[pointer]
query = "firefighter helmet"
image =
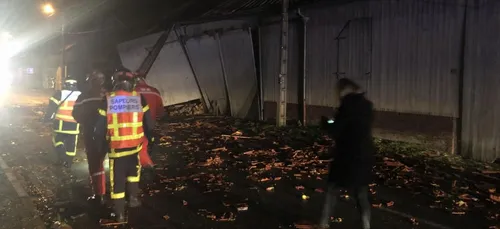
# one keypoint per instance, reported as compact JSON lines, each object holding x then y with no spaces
{"x":70,"y":84}
{"x":124,"y":80}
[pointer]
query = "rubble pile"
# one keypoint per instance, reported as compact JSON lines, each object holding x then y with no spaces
{"x":190,"y":108}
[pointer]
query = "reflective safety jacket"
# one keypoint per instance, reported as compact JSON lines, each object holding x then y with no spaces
{"x":60,"y":111}
{"x":124,"y":120}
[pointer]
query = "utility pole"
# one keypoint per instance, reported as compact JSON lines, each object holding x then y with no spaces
{"x":60,"y":77}
{"x":63,"y":52}
{"x":281,"y":111}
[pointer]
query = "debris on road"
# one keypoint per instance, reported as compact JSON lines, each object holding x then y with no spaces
{"x":211,"y":169}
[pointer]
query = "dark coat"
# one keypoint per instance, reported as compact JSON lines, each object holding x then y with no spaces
{"x":354,"y":148}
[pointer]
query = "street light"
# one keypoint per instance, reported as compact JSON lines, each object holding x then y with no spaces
{"x":49,"y":10}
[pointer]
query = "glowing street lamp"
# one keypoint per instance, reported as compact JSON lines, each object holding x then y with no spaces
{"x":48,"y":9}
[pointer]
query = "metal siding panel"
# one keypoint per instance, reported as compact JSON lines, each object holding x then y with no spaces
{"x":172,"y":76}
{"x":132,"y":53}
{"x":270,"y":62}
{"x":294,"y":63}
{"x":414,"y":48}
{"x":481,"y":124}
{"x":417,"y":47}
{"x":204,"y":54}
{"x":237,"y":49}
{"x":324,"y":27}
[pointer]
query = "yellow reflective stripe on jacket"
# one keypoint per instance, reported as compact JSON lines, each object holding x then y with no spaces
{"x":64,"y":117}
{"x":145,"y":108}
{"x":60,"y":130}
{"x":66,"y":108}
{"x":102,"y":112}
{"x":126,"y":138}
{"x":54,"y":100}
{"x":114,"y":154}
{"x":125,"y":125}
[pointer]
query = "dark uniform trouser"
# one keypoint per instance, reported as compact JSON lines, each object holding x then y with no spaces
{"x":125,"y":173}
{"x":95,"y":160}
{"x":65,"y":145}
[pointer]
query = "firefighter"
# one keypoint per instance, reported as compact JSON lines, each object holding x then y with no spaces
{"x":66,"y":128}
{"x":155,"y":102}
{"x":85,"y":113}
{"x":124,"y":120}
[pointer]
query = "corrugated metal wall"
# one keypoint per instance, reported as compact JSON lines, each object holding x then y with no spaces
{"x":481,"y":114}
{"x":270,"y":46}
{"x":237,"y":53}
{"x":132,"y":53}
{"x":194,"y":30}
{"x":204,"y":54}
{"x":404,"y":52}
{"x":172,"y":75}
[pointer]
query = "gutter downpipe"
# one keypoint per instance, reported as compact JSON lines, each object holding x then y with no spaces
{"x":304,"y":66}
{"x":458,"y":122}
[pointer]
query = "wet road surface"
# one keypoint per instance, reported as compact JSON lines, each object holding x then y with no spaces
{"x":224,"y":173}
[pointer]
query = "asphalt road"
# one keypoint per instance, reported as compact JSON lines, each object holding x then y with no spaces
{"x":212,"y":173}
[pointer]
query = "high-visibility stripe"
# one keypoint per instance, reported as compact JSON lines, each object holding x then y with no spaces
{"x":102,"y":112}
{"x":138,"y":166}
{"x":114,"y":195}
{"x":54,"y":100}
{"x":60,"y":130}
{"x":125,"y":125}
{"x":127,"y":138}
{"x":56,"y":144}
{"x":66,"y":118}
{"x":114,"y":154}
{"x":125,"y":130}
{"x":73,"y":153}
{"x":64,"y":112}
{"x":145,"y":108}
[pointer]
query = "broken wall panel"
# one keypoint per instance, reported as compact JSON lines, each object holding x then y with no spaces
{"x":132,"y":53}
{"x":204,"y":54}
{"x":172,"y":75}
{"x":237,"y":53}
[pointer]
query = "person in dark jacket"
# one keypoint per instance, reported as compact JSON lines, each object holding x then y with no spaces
{"x":353,"y":152}
{"x":86,"y":113}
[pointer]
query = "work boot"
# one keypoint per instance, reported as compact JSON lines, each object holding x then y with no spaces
{"x":134,"y":202}
{"x":119,"y":216}
{"x":97,"y":200}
